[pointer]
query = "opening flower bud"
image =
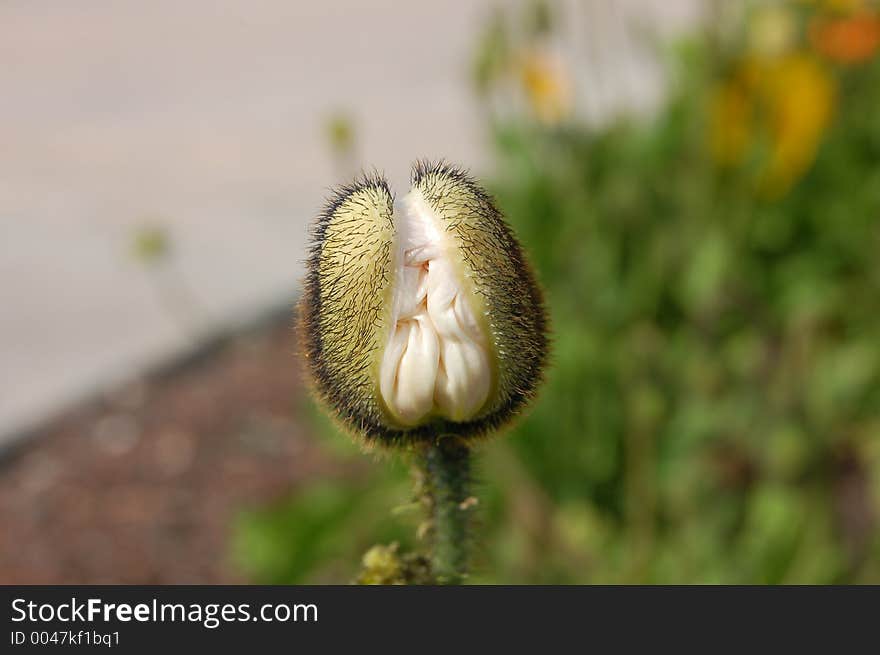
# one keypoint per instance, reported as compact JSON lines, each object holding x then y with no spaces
{"x":420,"y":316}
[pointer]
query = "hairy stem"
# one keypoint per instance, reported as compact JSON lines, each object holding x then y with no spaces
{"x":446,"y":476}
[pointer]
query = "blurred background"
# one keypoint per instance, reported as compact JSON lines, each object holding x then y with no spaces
{"x":698,"y":185}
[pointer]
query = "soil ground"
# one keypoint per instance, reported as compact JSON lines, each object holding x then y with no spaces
{"x":143,"y":485}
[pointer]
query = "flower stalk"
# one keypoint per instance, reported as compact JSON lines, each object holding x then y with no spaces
{"x":445,"y":467}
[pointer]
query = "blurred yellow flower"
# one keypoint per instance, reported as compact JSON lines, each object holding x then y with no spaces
{"x":547,"y":85}
{"x":786,"y":102}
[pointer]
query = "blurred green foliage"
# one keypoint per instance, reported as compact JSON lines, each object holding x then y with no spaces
{"x":712,"y":414}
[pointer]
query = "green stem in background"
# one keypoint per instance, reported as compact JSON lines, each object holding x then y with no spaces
{"x":445,"y":466}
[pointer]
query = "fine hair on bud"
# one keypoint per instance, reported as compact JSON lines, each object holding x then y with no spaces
{"x":420,"y":315}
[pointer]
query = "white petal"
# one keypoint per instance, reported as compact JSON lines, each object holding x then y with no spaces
{"x":467,"y":321}
{"x":411,"y":292}
{"x":409,"y":374}
{"x":463,"y":379}
{"x":442,"y":288}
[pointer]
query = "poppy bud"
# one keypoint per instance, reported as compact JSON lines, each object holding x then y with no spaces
{"x":420,"y":317}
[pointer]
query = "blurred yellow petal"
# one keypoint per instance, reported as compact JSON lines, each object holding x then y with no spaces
{"x":800,"y":97}
{"x":547,"y":85}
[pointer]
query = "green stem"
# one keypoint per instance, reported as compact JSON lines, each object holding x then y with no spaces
{"x":446,"y":469}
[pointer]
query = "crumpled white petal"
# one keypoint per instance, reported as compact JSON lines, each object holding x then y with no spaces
{"x":409,"y":369}
{"x":436,"y":360}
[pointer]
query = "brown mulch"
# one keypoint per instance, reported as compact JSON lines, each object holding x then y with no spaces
{"x":143,"y":485}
